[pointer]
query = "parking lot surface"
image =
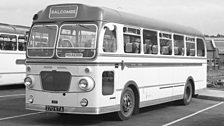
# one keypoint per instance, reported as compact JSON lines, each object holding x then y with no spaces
{"x":199,"y":113}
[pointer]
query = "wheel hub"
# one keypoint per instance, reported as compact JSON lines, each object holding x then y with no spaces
{"x":127,"y":103}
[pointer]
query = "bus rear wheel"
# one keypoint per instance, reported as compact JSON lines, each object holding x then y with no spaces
{"x":127,"y":104}
{"x":188,"y":93}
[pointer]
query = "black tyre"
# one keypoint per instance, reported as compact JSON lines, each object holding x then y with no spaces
{"x":127,"y":104}
{"x":188,"y":93}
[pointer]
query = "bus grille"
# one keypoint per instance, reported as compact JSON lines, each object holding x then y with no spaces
{"x":55,"y":81}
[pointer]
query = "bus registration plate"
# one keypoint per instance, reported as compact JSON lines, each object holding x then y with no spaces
{"x":54,"y":108}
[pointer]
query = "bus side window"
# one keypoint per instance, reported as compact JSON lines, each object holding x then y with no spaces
{"x":22,"y":44}
{"x":132,"y":44}
{"x":150,"y":42}
{"x":190,"y":46}
{"x":109,"y":41}
{"x":1,"y":45}
{"x":165,"y":47}
{"x":132,"y":40}
{"x":200,"y":48}
{"x":8,"y":42}
{"x":178,"y":45}
{"x":165,"y":43}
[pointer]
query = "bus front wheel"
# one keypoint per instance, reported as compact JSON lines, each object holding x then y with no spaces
{"x":188,"y":93}
{"x":127,"y":104}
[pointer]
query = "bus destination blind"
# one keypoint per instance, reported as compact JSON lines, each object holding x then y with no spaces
{"x":63,"y":11}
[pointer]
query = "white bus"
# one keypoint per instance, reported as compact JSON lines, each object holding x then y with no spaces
{"x":93,"y":60}
{"x":12,"y":47}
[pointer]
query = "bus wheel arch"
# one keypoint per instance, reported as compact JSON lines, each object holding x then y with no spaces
{"x":130,"y":86}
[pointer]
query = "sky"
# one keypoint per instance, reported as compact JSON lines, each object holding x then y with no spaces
{"x":205,"y":15}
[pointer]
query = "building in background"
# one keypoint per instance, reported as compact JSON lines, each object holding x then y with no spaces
{"x":212,"y":54}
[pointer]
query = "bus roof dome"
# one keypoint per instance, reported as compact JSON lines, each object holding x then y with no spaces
{"x":81,"y":12}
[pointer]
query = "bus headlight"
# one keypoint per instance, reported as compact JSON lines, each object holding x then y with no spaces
{"x":28,"y":82}
{"x":86,"y":83}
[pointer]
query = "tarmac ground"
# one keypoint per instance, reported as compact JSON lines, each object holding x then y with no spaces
{"x":205,"y":110}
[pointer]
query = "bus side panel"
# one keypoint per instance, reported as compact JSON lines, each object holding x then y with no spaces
{"x":201,"y":83}
{"x":196,"y":72}
{"x":11,"y":73}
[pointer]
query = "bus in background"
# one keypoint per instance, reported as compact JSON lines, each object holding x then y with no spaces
{"x":12,"y":47}
{"x":93,"y":60}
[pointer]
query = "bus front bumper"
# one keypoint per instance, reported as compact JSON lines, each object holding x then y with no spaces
{"x":76,"y":110}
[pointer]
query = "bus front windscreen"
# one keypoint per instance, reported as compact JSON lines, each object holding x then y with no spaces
{"x":42,"y":41}
{"x":76,"y":41}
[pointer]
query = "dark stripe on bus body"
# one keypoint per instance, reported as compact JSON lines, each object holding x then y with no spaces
{"x":12,"y":52}
{"x":161,"y":64}
{"x":137,"y":55}
{"x":130,"y":64}
{"x":166,"y":87}
{"x":12,"y":73}
{"x":178,"y":85}
{"x":171,"y":86}
{"x":163,"y":86}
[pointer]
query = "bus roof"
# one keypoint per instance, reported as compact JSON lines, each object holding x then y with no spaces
{"x":81,"y":12}
{"x":13,"y":29}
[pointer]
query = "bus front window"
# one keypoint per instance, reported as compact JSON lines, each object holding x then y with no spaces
{"x":77,"y":41}
{"x":42,"y":41}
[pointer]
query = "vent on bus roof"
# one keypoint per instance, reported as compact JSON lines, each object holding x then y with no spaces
{"x":55,"y":81}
